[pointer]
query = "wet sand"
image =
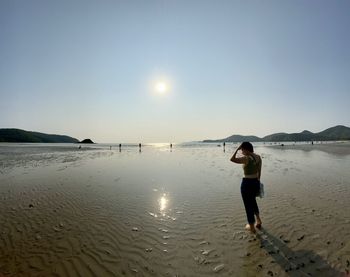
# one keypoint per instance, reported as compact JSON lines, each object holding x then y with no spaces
{"x":338,"y":148}
{"x":97,"y":212}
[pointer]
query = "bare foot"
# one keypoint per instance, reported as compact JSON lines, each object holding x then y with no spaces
{"x":258,"y":222}
{"x":251,"y":228}
{"x":258,"y":225}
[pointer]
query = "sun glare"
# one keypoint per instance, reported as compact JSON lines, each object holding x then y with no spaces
{"x":161,"y":87}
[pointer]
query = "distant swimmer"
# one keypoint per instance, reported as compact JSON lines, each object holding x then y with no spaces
{"x":139,"y":147}
{"x":250,"y":186}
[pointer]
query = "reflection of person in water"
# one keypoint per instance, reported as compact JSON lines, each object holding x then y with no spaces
{"x":250,"y":186}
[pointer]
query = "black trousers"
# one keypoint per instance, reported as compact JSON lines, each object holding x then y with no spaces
{"x":249,"y":190}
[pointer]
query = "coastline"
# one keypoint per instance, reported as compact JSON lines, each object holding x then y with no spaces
{"x":336,"y":147}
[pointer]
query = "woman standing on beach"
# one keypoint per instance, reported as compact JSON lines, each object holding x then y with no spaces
{"x":250,"y":186}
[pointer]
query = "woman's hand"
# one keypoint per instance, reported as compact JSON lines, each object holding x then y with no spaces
{"x":234,"y":159}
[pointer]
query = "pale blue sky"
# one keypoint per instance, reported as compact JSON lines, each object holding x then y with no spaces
{"x":85,"y":68}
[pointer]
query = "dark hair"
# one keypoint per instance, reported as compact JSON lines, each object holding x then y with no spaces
{"x":247,"y":146}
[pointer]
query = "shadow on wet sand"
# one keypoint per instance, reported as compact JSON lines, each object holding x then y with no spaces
{"x":295,"y":263}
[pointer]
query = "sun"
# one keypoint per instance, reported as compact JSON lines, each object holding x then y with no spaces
{"x":161,"y":87}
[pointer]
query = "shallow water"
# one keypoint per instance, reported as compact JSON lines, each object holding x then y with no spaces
{"x":159,"y":212}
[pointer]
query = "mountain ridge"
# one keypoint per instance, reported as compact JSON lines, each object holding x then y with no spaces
{"x":19,"y":135}
{"x":338,"y":132}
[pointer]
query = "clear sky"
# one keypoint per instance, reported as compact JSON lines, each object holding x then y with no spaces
{"x":88,"y":68}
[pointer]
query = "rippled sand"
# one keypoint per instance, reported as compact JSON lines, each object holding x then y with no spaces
{"x":101,"y":212}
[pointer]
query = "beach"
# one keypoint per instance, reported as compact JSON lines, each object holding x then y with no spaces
{"x":341,"y":148}
{"x":98,"y":211}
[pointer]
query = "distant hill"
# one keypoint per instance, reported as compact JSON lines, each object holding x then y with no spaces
{"x":236,"y":138}
{"x":87,"y":141}
{"x":334,"y":133}
{"x":303,"y":136}
{"x":18,"y":135}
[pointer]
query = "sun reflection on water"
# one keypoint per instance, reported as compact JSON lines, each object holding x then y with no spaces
{"x":163,"y":203}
